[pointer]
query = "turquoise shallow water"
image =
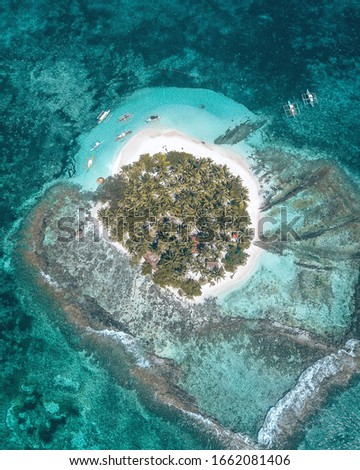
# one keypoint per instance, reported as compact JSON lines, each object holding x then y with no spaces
{"x":60,"y":395}
{"x":236,"y":377}
{"x":335,"y":426}
{"x":60,"y":65}
{"x":179,"y":109}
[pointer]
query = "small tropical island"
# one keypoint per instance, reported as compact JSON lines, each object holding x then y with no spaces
{"x":183,"y":218}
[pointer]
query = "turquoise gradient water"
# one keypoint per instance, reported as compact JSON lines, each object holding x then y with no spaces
{"x":61,"y":63}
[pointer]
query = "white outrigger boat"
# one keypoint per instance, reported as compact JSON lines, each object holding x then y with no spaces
{"x":125,"y":117}
{"x":153,"y":118}
{"x":291,"y":109}
{"x":309,"y":99}
{"x":123,"y":135}
{"x":90,"y":162}
{"x":104,"y":116}
{"x":96,"y":146}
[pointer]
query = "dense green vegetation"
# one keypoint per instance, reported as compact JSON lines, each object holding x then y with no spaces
{"x":184,"y":218}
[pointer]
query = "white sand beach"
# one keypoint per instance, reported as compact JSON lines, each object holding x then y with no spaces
{"x":154,"y":140}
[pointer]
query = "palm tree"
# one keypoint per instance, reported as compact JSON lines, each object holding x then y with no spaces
{"x":157,"y":192}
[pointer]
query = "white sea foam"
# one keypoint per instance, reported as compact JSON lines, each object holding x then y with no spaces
{"x":130,"y":344}
{"x":49,"y":280}
{"x":128,"y":341}
{"x":219,"y":431}
{"x":293,"y":405}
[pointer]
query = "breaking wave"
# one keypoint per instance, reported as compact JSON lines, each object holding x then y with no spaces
{"x":284,"y":418}
{"x":234,"y":440}
{"x":129,"y":342}
{"x":49,"y":280}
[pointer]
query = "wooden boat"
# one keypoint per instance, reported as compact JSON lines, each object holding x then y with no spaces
{"x":96,"y":146}
{"x":309,"y":98}
{"x":291,"y":109}
{"x":90,"y":162}
{"x":123,"y":135}
{"x":153,"y":118}
{"x":125,"y":117}
{"x":104,"y":116}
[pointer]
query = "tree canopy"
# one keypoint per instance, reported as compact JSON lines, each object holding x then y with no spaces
{"x":184,"y":218}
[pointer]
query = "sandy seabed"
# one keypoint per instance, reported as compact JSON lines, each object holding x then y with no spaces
{"x":155,"y":140}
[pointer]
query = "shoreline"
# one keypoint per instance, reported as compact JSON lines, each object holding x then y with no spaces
{"x":155,"y":140}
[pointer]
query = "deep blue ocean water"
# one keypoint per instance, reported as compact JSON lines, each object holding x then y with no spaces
{"x":61,"y":64}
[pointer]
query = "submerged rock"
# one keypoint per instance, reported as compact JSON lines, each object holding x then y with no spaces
{"x":239,"y":132}
{"x":311,"y":233}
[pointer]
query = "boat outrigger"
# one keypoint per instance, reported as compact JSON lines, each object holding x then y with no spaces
{"x":125,"y":117}
{"x":96,"y":146}
{"x":104,"y":116}
{"x":123,"y":135}
{"x":153,"y":118}
{"x":291,"y":109}
{"x":309,"y":99}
